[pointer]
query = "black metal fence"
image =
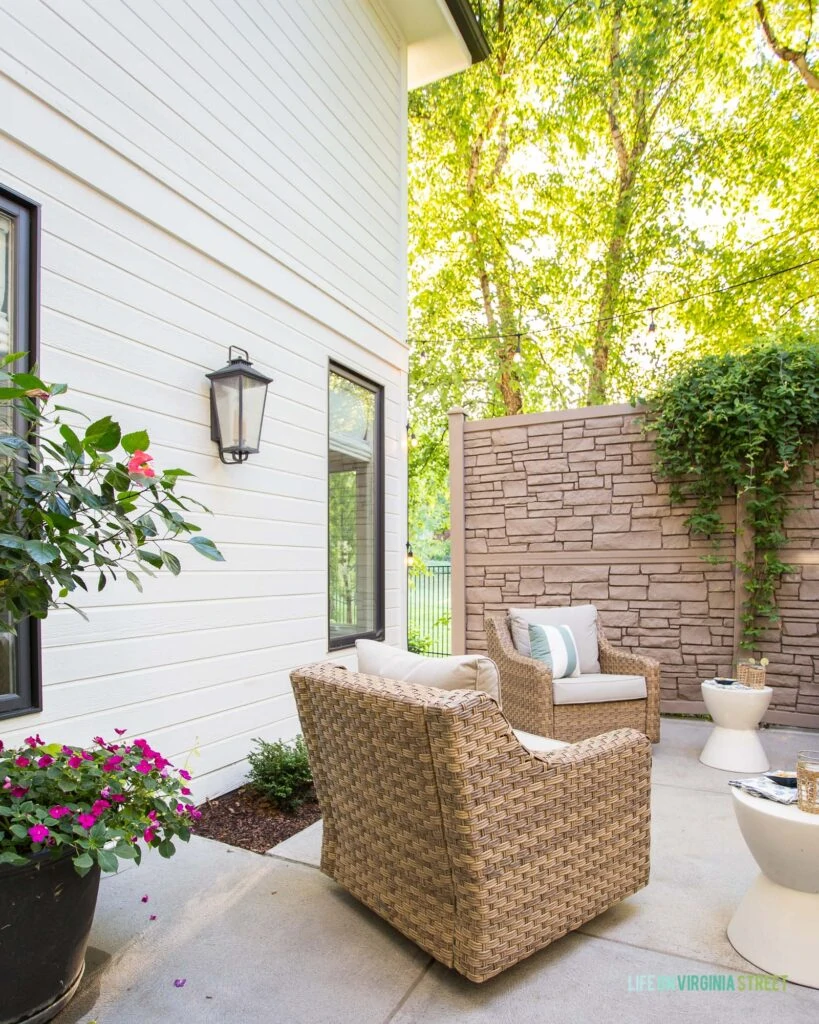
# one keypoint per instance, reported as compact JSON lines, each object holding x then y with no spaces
{"x":429,"y":609}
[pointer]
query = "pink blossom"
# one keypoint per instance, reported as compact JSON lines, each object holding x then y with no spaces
{"x":148,"y":835}
{"x":87,"y":755}
{"x":138,"y":463}
{"x":185,"y":791}
{"x":120,"y":732}
{"x":99,"y":740}
{"x":38,"y":833}
{"x":144,"y":767}
{"x":1,"y":746}
{"x":151,"y":815}
{"x":161,"y":762}
{"x":86,"y":820}
{"x":22,"y":762}
{"x":34,"y":741}
{"x":18,"y":791}
{"x":144,"y":898}
{"x":99,"y":806}
{"x":68,"y":751}
{"x":196,"y":815}
{"x":74,"y":762}
{"x":118,"y":798}
{"x":112,"y":763}
{"x":59,"y":811}
{"x":152,"y":917}
{"x":8,"y":783}
{"x":185,"y":775}
{"x":181,"y":808}
{"x":105,"y":791}
{"x":179,"y":982}
{"x":45,"y":761}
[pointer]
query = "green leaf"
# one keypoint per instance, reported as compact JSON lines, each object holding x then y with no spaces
{"x":151,"y":558}
{"x":138,"y":441}
{"x":166,"y":848}
{"x":172,"y":562}
{"x":41,"y":553}
{"x":102,"y":435}
{"x":134,"y":579}
{"x":206,"y":547}
{"x":10,"y":857}
{"x":107,"y":860}
{"x":126,"y":851}
{"x":83,"y":863}
{"x":71,"y":438}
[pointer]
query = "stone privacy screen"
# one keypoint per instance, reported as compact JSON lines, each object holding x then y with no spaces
{"x":565,"y":508}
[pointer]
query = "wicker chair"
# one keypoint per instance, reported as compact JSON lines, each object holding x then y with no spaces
{"x":527,"y":697}
{"x":439,"y":820}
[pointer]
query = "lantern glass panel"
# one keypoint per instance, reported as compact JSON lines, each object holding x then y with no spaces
{"x":254,"y":393}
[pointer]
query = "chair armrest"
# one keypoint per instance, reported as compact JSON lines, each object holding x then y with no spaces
{"x":619,"y":661}
{"x":525,"y":683}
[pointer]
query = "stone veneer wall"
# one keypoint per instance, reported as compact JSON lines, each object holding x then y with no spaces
{"x":560,"y":508}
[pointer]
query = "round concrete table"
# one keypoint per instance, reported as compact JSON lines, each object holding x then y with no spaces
{"x":734,"y":744}
{"x":776,"y":926}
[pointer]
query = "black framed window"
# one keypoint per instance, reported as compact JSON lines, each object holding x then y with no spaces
{"x":355,"y":508}
{"x":19,"y":326}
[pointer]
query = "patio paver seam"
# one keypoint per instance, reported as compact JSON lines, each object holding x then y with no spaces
{"x":431,"y":962}
{"x":664,"y":952}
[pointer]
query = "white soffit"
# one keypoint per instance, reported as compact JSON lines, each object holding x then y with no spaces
{"x":435,"y":47}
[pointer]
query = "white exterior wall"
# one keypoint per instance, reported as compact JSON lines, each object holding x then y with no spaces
{"x":212,"y":173}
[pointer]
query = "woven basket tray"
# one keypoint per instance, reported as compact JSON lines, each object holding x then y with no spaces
{"x":751,"y":675}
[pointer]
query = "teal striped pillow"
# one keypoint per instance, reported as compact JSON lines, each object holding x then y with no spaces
{"x":555,"y":646}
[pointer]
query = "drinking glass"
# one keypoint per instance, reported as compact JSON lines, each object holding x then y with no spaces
{"x":807,"y":780}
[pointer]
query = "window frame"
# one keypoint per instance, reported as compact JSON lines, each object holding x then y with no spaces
{"x":25,"y":337}
{"x":379,"y":577}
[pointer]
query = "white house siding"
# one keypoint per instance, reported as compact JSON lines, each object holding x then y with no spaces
{"x":212,"y":173}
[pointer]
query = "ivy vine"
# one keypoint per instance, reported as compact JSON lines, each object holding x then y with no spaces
{"x":743,"y":425}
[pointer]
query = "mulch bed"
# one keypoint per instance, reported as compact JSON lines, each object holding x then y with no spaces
{"x":247,"y":819}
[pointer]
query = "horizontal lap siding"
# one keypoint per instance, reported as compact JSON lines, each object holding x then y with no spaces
{"x":159,"y":250}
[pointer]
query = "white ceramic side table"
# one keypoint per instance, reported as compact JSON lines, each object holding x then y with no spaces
{"x":734,"y":744}
{"x":776,"y":926}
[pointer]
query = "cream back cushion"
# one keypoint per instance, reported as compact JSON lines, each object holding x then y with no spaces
{"x":457,"y":672}
{"x":581,"y":620}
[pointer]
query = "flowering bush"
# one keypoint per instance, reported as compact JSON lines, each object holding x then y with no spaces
{"x":78,"y":502}
{"x":98,"y":804}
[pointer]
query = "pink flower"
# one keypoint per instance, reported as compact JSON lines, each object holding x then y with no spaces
{"x":152,"y":917}
{"x":99,"y":806}
{"x":143,"y":767}
{"x":118,"y":798}
{"x":185,"y":791}
{"x":8,"y":783}
{"x":138,"y":463}
{"x":45,"y":761}
{"x":144,"y":899}
{"x":196,"y":815}
{"x":179,"y":982}
{"x":86,"y":820}
{"x":120,"y":732}
{"x":161,"y":762}
{"x":38,"y":833}
{"x":185,"y":775}
{"x":181,"y":808}
{"x":99,"y":740}
{"x":34,"y":741}
{"x":59,"y":811}
{"x":22,"y":762}
{"x":105,"y":791}
{"x":148,"y":835}
{"x":87,"y":756}
{"x":1,"y":746}
{"x":74,"y":762}
{"x":68,"y":751}
{"x":151,"y":815}
{"x":18,"y":791}
{"x":112,"y":763}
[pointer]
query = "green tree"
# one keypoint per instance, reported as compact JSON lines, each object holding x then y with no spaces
{"x":612,"y":167}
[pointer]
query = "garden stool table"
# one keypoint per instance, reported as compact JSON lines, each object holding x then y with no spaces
{"x":776,"y":926}
{"x":734,"y":744}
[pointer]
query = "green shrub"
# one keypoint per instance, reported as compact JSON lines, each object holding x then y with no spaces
{"x":417,"y":642}
{"x":281,"y":772}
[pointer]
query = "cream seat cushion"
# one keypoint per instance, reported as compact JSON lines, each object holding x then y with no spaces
{"x":541,"y":744}
{"x":580,"y":618}
{"x":456,"y":672}
{"x":595,"y":687}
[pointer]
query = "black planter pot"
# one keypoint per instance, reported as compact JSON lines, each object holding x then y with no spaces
{"x":46,"y":911}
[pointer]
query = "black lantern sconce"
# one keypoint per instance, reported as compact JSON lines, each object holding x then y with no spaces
{"x":237,"y":398}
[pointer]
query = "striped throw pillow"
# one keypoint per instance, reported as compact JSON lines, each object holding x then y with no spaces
{"x":555,"y":646}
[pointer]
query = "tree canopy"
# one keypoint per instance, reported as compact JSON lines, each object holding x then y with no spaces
{"x":618,"y":182}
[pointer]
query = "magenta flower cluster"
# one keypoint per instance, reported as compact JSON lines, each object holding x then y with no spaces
{"x":94,"y":804}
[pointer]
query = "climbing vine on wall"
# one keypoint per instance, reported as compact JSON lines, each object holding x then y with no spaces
{"x":744,"y":424}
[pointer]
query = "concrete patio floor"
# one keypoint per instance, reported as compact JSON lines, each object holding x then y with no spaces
{"x":270,"y":940}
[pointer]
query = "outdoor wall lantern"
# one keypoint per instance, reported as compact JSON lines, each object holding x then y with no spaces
{"x":237,"y":397}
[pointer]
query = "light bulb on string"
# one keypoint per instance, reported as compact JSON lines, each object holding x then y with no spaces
{"x":410,"y":556}
{"x":652,"y":327}
{"x":516,"y":358}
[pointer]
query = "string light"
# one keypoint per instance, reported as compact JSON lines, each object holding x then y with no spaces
{"x":517,"y":356}
{"x":652,"y":327}
{"x":410,"y":556}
